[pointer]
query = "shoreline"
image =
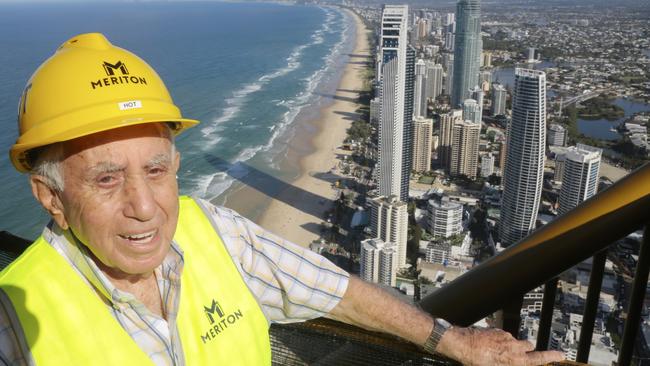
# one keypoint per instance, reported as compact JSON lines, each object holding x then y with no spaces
{"x":295,"y":209}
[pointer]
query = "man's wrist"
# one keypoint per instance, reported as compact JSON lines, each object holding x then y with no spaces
{"x":440,"y":326}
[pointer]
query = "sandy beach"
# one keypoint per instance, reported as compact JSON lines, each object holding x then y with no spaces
{"x":296,"y":208}
{"x":300,"y":223}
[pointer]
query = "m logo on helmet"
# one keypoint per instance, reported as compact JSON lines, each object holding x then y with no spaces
{"x":110,"y":68}
{"x":117,"y":74}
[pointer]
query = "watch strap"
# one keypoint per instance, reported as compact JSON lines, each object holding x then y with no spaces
{"x":440,"y":326}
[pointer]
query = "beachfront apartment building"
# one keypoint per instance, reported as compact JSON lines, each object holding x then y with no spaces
{"x":397,"y":64}
{"x":389,"y":222}
{"x":378,"y":262}
{"x":444,"y":218}
{"x":580,"y":175}
{"x":524,"y":166}
{"x":422,"y":139}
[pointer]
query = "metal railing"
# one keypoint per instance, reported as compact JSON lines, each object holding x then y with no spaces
{"x":501,"y":282}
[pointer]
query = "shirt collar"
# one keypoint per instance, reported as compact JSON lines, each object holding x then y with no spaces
{"x":77,"y":254}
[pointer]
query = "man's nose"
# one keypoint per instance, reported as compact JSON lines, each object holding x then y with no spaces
{"x":140,"y":199}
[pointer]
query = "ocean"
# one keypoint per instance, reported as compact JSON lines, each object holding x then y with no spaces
{"x":248,"y":71}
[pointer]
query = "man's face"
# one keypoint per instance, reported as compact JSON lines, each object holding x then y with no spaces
{"x":121,"y":197}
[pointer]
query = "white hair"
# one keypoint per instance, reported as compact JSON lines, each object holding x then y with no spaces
{"x":47,"y":161}
{"x":48,"y":165}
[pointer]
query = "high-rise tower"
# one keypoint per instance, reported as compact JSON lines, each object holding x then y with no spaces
{"x":422,"y":134}
{"x":467,"y":50}
{"x":580,"y":176}
{"x":389,"y":222}
{"x":524,"y":170}
{"x":472,"y":111}
{"x":498,"y":100}
{"x":396,"y":92}
{"x":446,"y":133}
{"x":419,"y":91}
{"x":433,"y":86}
{"x":464,"y":149}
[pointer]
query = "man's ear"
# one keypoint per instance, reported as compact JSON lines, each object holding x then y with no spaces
{"x":49,"y":199}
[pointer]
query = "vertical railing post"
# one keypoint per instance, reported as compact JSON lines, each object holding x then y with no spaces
{"x":512,"y":316}
{"x":636,"y":301}
{"x":545,"y":320}
{"x":591,"y":306}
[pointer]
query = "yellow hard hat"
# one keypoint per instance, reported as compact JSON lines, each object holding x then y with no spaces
{"x":89,"y":86}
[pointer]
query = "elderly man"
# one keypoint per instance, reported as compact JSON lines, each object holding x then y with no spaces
{"x":129,"y":273}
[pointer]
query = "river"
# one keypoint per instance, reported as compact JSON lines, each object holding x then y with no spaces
{"x":506,"y":75}
{"x":601,"y":128}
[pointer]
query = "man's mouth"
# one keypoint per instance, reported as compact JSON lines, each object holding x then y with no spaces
{"x":142,"y":238}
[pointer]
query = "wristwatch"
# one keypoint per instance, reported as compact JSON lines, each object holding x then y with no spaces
{"x":440,"y":326}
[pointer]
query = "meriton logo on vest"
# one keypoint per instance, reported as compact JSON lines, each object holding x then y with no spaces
{"x":219,"y":320}
{"x":114,"y":78}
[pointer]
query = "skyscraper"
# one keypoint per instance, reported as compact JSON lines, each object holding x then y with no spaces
{"x":498,"y":100}
{"x":448,"y":64}
{"x":419,"y":90}
{"x":524,"y":170}
{"x":433,"y":86}
{"x":450,"y":36}
{"x":467,"y":50}
{"x":378,"y":262}
{"x":580,"y":176}
{"x":396,"y":93}
{"x":389,"y":222}
{"x":422,"y":144}
{"x":447,"y":122}
{"x":464,"y":149}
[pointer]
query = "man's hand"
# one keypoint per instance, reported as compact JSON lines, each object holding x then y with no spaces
{"x":472,"y":346}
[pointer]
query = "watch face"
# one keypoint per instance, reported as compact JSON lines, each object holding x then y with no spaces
{"x":443,"y":323}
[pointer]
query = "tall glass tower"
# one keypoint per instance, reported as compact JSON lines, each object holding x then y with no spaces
{"x":467,"y":50}
{"x":397,"y":65}
{"x":524,"y":166}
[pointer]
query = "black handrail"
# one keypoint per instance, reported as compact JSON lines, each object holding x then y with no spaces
{"x":549,"y":251}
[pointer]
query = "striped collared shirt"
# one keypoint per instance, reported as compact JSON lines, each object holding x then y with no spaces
{"x":289,"y":282}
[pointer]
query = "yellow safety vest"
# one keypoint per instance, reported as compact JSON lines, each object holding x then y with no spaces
{"x":66,"y":323}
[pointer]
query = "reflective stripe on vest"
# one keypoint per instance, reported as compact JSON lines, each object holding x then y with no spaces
{"x":66,"y":323}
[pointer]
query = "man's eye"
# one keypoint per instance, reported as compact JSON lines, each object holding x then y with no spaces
{"x":106,"y":179}
{"x":157,"y":171}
